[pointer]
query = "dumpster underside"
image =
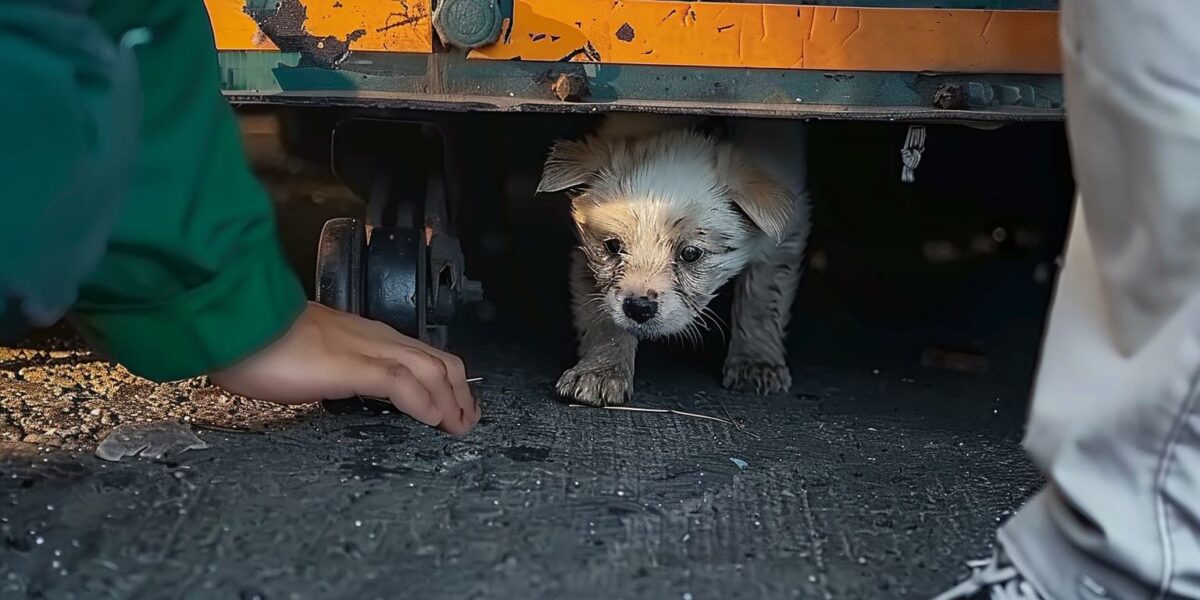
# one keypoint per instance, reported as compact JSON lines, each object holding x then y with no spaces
{"x":891,"y":461}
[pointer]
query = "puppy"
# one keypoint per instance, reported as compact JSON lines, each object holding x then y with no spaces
{"x":666,"y":213}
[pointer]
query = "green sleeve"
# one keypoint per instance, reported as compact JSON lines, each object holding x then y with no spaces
{"x":193,"y":278}
{"x":71,"y":111}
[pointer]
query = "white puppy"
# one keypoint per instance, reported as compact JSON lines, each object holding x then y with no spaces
{"x":666,"y":214}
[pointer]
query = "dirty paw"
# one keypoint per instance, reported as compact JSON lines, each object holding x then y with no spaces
{"x":595,"y":385}
{"x":756,"y":377}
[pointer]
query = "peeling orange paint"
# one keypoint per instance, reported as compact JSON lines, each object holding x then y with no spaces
{"x":386,"y":25}
{"x":780,"y":36}
{"x":234,"y":29}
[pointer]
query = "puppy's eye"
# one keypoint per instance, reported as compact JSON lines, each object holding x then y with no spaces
{"x":613,"y":245}
{"x":691,"y":254}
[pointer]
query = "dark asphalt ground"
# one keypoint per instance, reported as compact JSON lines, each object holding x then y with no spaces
{"x":860,"y":485}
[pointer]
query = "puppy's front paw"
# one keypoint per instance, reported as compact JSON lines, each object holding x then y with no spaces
{"x":595,"y":385}
{"x":756,"y":377}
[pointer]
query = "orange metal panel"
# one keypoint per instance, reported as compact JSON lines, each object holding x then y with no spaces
{"x":368,"y":25}
{"x":778,"y":36}
{"x":233,"y":28}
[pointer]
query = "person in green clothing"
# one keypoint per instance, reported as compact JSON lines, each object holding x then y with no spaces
{"x":126,"y":205}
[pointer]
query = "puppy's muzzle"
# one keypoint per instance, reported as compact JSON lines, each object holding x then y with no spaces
{"x":640,"y":309}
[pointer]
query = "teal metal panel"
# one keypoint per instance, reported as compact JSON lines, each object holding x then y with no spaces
{"x":449,"y":81}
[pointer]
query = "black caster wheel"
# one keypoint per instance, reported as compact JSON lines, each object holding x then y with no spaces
{"x":410,"y":279}
{"x":404,"y":277}
{"x":340,"y":254}
{"x":399,"y":265}
{"x":378,"y":273}
{"x":397,"y":280}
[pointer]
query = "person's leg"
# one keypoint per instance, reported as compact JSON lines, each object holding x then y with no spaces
{"x":1115,"y":421}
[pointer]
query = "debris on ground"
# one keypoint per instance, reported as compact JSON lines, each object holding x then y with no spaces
{"x":148,"y":440}
{"x":54,"y":393}
{"x":741,"y":464}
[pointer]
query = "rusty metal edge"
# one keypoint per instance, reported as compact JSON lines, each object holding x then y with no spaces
{"x":457,"y":103}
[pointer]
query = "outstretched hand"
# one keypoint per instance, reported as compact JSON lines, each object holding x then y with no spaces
{"x":328,"y":355}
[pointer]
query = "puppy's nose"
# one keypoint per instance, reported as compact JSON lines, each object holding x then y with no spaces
{"x":640,"y":309}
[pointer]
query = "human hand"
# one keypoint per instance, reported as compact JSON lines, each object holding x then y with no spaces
{"x":328,"y":355}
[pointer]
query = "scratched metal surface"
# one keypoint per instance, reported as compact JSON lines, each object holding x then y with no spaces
{"x":326,"y":70}
{"x":450,"y":82}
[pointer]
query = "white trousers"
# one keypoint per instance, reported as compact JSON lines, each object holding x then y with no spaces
{"x":1115,"y":421}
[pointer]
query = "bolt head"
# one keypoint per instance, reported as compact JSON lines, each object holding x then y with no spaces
{"x":468,"y":24}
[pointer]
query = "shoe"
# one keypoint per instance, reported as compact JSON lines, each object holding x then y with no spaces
{"x":992,"y":579}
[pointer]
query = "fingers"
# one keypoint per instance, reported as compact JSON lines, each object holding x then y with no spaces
{"x":443,"y":375}
{"x":448,"y":366}
{"x":330,"y":354}
{"x":397,"y":383}
{"x":457,"y":372}
{"x":434,"y":374}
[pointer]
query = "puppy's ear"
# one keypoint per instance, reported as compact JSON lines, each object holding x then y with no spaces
{"x":569,"y":165}
{"x":768,"y":204}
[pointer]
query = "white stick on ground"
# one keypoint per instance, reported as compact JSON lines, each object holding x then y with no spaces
{"x":661,"y":410}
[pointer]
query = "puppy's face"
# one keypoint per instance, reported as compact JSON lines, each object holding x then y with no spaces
{"x":662,"y":222}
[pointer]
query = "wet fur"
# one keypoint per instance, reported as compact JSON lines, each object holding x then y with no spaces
{"x":659,"y":184}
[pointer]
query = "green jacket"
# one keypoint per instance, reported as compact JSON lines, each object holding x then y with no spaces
{"x":125,"y":199}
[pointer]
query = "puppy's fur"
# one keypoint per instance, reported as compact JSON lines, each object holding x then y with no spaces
{"x":667,"y":213}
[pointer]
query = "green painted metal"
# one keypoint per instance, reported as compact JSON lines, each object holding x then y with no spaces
{"x":449,"y":81}
{"x":254,"y":72}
